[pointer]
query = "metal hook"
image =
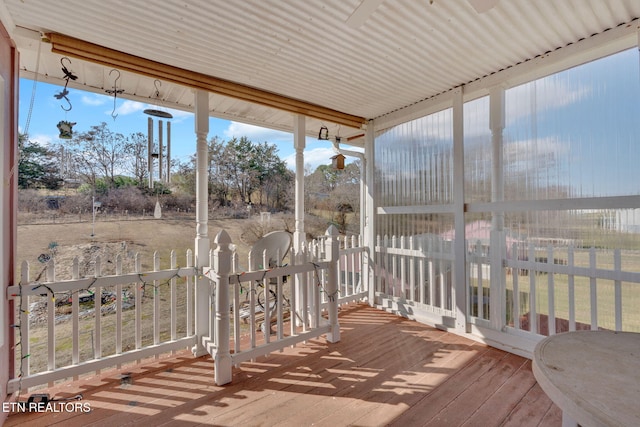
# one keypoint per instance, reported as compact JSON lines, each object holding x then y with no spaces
{"x":62,"y":63}
{"x":115,"y":83}
{"x":63,"y":95}
{"x":115,"y":91}
{"x":157,"y":84}
{"x":113,"y":113}
{"x":68,"y":75}
{"x":69,"y":102}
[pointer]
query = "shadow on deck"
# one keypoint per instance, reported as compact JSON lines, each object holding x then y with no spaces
{"x":385,"y":371}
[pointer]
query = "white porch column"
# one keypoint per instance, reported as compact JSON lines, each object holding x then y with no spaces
{"x":369,"y":235}
{"x":202,"y":244}
{"x":461,"y":291}
{"x":299,"y":235}
{"x":299,"y":143}
{"x":497,"y":298}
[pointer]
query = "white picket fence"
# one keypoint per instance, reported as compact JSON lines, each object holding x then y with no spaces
{"x":534,"y":291}
{"x":135,"y":300}
{"x":413,"y":276}
{"x":351,"y":280}
{"x":306,"y":294}
{"x":564,"y":289}
{"x":147,"y":313}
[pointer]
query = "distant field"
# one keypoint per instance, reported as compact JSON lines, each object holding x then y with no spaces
{"x":67,"y":239}
{"x":143,"y":236}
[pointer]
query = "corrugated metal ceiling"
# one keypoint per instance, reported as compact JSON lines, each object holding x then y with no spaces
{"x":404,"y":51}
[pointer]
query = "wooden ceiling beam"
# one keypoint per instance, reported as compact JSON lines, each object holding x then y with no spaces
{"x":69,"y":46}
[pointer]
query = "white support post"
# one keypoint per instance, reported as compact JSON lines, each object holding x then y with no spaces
{"x":299,"y":235}
{"x":332,"y":249}
{"x":497,"y":297}
{"x":299,"y":144}
{"x":460,"y":288}
{"x":222,"y":268}
{"x":202,"y":243}
{"x":369,"y":235}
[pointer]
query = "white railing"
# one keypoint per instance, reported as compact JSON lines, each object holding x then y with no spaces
{"x":242,"y":329}
{"x":91,"y":323}
{"x":543,"y":290}
{"x":517,"y":291}
{"x":478,"y":280}
{"x":147,"y":313}
{"x":351,"y":280}
{"x":413,"y":276}
{"x":565,"y":289}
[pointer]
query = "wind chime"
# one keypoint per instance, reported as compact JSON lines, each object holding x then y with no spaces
{"x":163,"y":176}
{"x":65,"y":128}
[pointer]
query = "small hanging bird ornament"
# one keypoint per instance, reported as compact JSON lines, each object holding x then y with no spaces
{"x":65,"y":129}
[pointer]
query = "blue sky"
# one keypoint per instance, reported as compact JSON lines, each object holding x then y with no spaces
{"x":89,"y":109}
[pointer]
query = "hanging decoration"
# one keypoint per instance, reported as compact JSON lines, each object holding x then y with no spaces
{"x":68,"y":75}
{"x":157,"y":112}
{"x":115,"y":92}
{"x":65,"y":128}
{"x":164,"y":163}
{"x":323,"y":135}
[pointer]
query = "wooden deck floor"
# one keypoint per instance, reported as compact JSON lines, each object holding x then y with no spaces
{"x":385,"y":371}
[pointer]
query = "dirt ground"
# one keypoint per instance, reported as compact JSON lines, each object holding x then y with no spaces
{"x":64,"y":241}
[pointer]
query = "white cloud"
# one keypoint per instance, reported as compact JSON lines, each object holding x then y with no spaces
{"x":312,"y":158}
{"x":43,"y":139}
{"x":257,"y":134}
{"x":178,"y":115}
{"x":132,"y":107}
{"x":93,"y":100}
{"x":129,"y":107}
{"x":544,"y":95}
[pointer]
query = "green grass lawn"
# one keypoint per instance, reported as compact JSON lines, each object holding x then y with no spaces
{"x":605,"y":292}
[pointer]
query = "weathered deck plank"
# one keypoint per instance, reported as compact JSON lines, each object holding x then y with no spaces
{"x":385,"y":371}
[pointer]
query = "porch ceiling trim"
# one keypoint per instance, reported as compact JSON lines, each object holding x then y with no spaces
{"x":70,"y":46}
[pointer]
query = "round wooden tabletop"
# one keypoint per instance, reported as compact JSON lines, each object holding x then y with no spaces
{"x":593,"y":376}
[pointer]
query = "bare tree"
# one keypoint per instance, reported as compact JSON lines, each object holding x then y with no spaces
{"x":135,"y":161}
{"x":100,"y":153}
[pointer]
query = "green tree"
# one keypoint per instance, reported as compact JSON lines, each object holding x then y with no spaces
{"x":274,"y":179}
{"x":184,"y":179}
{"x":239,"y":163}
{"x":241,"y":171}
{"x":38,"y":166}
